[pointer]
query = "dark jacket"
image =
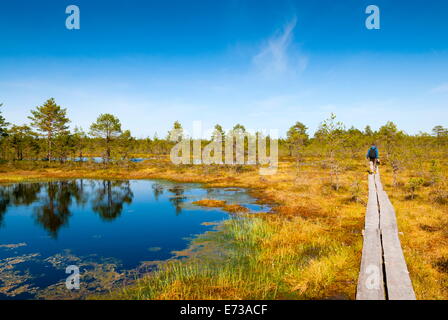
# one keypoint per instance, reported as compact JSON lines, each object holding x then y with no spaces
{"x":376,"y":152}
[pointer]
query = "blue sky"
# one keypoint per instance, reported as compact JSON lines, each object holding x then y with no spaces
{"x":265,"y":64}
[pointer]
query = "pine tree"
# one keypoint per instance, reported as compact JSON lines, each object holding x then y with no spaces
{"x":108,"y":128}
{"x":51,"y":120}
{"x":125,"y":143}
{"x":296,"y":137}
{"x":218,"y":132}
{"x":440,"y":131}
{"x":3,"y":124}
{"x":368,"y":131}
{"x":80,"y":141}
{"x":177,"y":133}
{"x":22,"y":140}
{"x":331,"y":134}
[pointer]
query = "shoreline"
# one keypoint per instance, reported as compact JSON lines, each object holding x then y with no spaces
{"x":308,"y":247}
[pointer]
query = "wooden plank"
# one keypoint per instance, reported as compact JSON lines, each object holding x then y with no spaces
{"x":398,"y":283}
{"x":387,"y":212}
{"x":370,"y":281}
{"x":378,"y":184}
{"x":388,"y":219}
{"x":372,"y":220}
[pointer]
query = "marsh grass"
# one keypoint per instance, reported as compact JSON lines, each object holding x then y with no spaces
{"x":308,"y":247}
{"x":423,"y":224}
{"x":250,"y":259}
{"x":231,"y":208}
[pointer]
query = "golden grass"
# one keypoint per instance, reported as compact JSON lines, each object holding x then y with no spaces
{"x":231,"y":208}
{"x":235,"y":208}
{"x":210,"y":203}
{"x":423,"y":226}
{"x":309,"y":247}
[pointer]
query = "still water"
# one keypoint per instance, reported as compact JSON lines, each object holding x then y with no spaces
{"x":114,"y":231}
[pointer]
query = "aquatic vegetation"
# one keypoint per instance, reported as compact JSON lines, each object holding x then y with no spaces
{"x":232,"y":208}
{"x":15,"y":282}
{"x":13,"y":245}
{"x":210,"y":203}
{"x":92,"y":224}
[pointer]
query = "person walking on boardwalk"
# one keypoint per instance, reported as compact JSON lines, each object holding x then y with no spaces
{"x":373,"y":157}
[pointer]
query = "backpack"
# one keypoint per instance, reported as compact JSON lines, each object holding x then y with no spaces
{"x":372,"y":153}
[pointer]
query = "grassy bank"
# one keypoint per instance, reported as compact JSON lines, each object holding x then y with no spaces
{"x":423,"y":226}
{"x":308,"y":247}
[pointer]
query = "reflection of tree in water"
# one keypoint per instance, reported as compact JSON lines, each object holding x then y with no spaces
{"x":25,"y":193}
{"x":17,"y":194}
{"x":54,"y":211}
{"x":157,"y":190}
{"x":110,"y":197}
{"x":5,"y":199}
{"x":178,"y":198}
{"x":79,"y":193}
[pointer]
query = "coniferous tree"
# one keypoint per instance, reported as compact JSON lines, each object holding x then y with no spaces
{"x":218,"y":132}
{"x":3,"y":133}
{"x":368,"y":131}
{"x":3,"y":123}
{"x":331,"y":134}
{"x":108,"y":128}
{"x":125,"y":143}
{"x":80,"y":142}
{"x":297,"y":137}
{"x":51,"y":120}
{"x":177,"y":133}
{"x":440,"y":131}
{"x":23,"y":141}
{"x":219,"y":135}
{"x":65,"y":146}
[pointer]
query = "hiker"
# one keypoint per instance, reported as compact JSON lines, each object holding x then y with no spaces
{"x":373,"y":157}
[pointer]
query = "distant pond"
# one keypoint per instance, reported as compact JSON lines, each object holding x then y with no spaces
{"x":113,"y":231}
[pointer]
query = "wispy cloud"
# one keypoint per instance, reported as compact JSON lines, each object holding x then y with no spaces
{"x":278,"y":56}
{"x":440,"y":89}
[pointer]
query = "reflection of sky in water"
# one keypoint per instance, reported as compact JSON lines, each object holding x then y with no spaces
{"x":87,"y":221}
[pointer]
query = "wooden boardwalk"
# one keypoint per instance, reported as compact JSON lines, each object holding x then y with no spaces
{"x":384,"y":274}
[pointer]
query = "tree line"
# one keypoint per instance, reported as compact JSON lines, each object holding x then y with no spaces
{"x":47,"y":137}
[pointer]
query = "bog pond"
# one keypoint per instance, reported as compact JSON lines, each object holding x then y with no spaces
{"x":113,"y":231}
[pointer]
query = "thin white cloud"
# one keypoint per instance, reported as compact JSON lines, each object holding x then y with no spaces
{"x":278,"y":57}
{"x":440,"y":89}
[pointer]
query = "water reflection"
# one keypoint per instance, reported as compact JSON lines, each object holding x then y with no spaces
{"x":157,"y":190}
{"x":4,"y":202}
{"x":54,"y":212}
{"x":25,"y":193}
{"x":18,"y":194}
{"x":110,"y":198}
{"x":52,"y":201}
{"x":178,"y":198}
{"x":112,"y":230}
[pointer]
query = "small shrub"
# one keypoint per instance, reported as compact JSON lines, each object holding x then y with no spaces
{"x":442,"y":265}
{"x":355,"y":192}
{"x":435,"y":172}
{"x":439,"y":196}
{"x":413,"y":185}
